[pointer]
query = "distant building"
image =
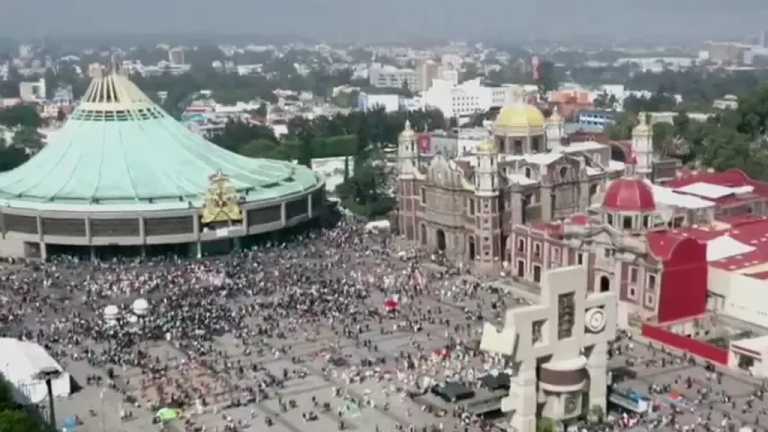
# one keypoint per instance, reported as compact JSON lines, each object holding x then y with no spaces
{"x":428,"y":71}
{"x":32,"y":91}
{"x":727,"y":102}
{"x":726,"y":52}
{"x":176,"y":56}
{"x":391,"y":77}
{"x":658,"y":64}
{"x":596,"y":119}
{"x":63,"y":96}
{"x":368,"y":102}
{"x":467,"y":98}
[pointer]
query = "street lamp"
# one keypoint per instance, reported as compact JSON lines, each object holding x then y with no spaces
{"x":49,"y":374}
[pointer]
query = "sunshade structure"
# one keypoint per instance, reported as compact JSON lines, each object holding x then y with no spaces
{"x":168,"y":414}
{"x":122,"y":171}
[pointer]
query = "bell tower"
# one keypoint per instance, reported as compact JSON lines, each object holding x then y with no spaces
{"x":642,"y":144}
{"x":487,"y":215}
{"x":407,"y":155}
{"x":555,"y":130}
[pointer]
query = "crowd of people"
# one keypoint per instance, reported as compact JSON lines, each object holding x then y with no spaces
{"x":322,"y":301}
{"x":326,"y":286}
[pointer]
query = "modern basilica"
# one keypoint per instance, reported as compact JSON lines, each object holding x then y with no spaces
{"x":525,"y":172}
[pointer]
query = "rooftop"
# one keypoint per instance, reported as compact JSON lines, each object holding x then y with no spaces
{"x":120,"y":151}
{"x":741,"y":247}
{"x":737,"y":180}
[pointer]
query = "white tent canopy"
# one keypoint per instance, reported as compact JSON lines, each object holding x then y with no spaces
{"x":21,"y":361}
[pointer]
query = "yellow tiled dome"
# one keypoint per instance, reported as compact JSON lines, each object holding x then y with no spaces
{"x":520,"y":116}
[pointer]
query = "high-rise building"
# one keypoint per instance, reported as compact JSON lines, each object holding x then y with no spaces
{"x":176,"y":56}
{"x":427,"y":71}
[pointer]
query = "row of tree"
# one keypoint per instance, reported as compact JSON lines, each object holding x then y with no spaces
{"x":728,"y":139}
{"x":358,"y":136}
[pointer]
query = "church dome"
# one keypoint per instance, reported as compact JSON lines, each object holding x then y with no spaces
{"x":629,"y":195}
{"x":520,"y":115}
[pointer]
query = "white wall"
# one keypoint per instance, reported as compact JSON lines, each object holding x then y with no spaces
{"x":390,"y":102}
{"x":745,"y":298}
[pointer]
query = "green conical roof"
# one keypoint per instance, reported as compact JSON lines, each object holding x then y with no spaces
{"x":120,"y":150}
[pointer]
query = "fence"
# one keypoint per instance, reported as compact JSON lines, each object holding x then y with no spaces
{"x":684,"y":343}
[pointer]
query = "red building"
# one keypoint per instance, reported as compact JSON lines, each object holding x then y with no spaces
{"x":627,"y":248}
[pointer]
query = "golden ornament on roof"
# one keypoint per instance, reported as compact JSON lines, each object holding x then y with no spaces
{"x":222,"y":202}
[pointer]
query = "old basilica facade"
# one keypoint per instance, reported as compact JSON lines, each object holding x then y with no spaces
{"x":525,"y":172}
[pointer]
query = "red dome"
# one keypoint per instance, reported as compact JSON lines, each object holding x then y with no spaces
{"x":629,"y":195}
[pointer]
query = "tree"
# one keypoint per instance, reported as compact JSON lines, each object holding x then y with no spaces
{"x":663,"y":138}
{"x":305,"y":151}
{"x":21,"y":115}
{"x":548,"y":79}
{"x":12,"y":417}
{"x":545,"y":424}
{"x":365,"y":192}
{"x":258,"y":148}
{"x":19,"y":421}
{"x":28,"y":138}
{"x":681,"y":122}
{"x":622,"y":128}
{"x":11,"y":157}
{"x":363,"y":141}
{"x":601,"y":101}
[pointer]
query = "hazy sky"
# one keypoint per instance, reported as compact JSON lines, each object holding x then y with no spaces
{"x":349,"y":20}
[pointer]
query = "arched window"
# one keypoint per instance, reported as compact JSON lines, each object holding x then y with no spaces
{"x":605,"y":283}
{"x":563,"y":172}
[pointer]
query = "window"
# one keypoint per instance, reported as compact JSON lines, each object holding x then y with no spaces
{"x":646,"y":221}
{"x":423,"y":196}
{"x":520,"y":268}
{"x":471,"y":206}
{"x":649,"y":300}
{"x":537,"y":331}
{"x":536,"y":273}
{"x":633,"y":271}
{"x":537,"y":250}
{"x":520,"y":245}
{"x":563,"y":173}
{"x":607,"y":252}
{"x":609,"y":219}
{"x":565,"y":313}
{"x":556,"y":255}
{"x":678,"y":221}
{"x":627,"y":222}
{"x":580,"y":258}
{"x":651,"y":282}
{"x":528,"y":172}
{"x":632,"y":294}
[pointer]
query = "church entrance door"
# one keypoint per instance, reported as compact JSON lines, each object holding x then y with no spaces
{"x":440,"y":240}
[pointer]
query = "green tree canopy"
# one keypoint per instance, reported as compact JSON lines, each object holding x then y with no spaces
{"x":21,"y":115}
{"x":11,"y":157}
{"x":28,"y":138}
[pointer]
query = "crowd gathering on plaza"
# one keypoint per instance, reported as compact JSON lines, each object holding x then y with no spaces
{"x":322,"y":300}
{"x":336,"y":287}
